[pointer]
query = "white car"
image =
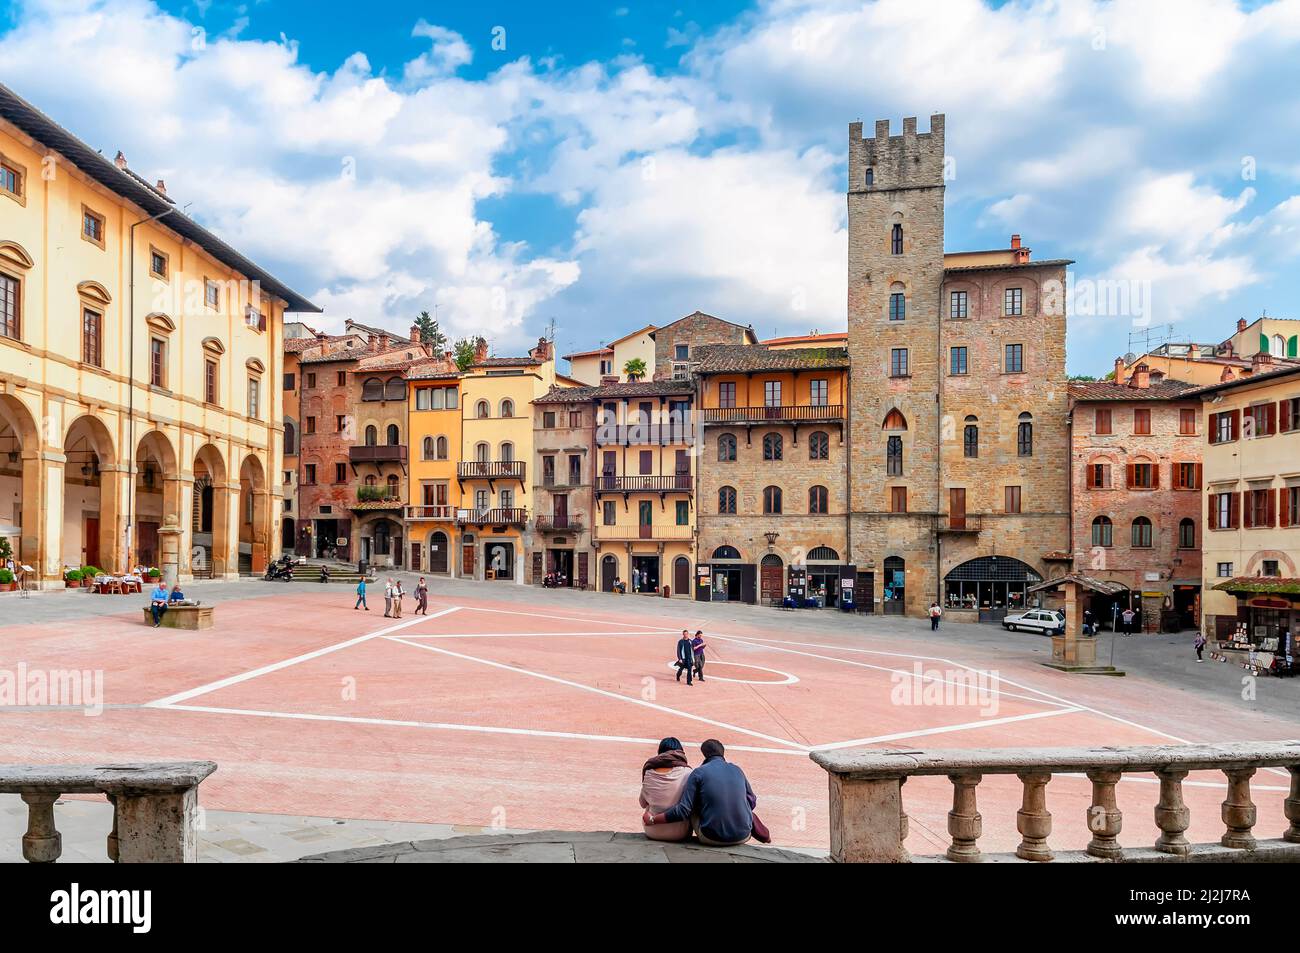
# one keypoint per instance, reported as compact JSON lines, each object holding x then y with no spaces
{"x":1042,"y":621}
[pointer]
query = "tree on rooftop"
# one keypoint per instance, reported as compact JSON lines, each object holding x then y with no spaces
{"x":634,"y":369}
{"x":430,"y":333}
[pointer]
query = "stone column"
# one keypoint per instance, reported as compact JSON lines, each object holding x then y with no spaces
{"x":226,"y":504}
{"x":112,"y":543}
{"x":157,"y":828}
{"x":169,"y":542}
{"x":1071,"y":623}
{"x":867,"y":821}
{"x":50,"y":567}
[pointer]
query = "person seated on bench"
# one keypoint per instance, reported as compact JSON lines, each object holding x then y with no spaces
{"x":177,"y":595}
{"x":158,"y":603}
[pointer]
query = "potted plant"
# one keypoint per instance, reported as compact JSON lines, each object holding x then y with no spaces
{"x":88,"y":574}
{"x":155,"y":575}
{"x":7,"y":581}
{"x":72,"y":578}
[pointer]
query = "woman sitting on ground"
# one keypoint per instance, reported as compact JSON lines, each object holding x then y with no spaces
{"x":662,"y":778}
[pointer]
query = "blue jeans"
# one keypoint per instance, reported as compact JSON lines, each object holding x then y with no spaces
{"x":361,"y":601}
{"x":158,"y":612}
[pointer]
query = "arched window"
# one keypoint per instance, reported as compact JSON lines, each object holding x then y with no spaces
{"x":823,"y":554}
{"x":727,"y":499}
{"x":394,"y":435}
{"x":507,"y":408}
{"x":727,"y":448}
{"x":970,"y":440}
{"x":1141,"y":533}
{"x":440,"y":449}
{"x":372,"y":389}
{"x":395,"y":389}
{"x":482,"y":452}
{"x":426,"y":448}
{"x":894,"y":420}
{"x":896,"y":239}
{"x":507,"y":452}
{"x":772,"y":446}
{"x":726,"y":552}
{"x":290,"y":439}
{"x":371,"y":480}
{"x":482,"y":410}
{"x":1025,"y":435}
{"x":1187,"y":534}
{"x":392,"y":484}
{"x":372,"y":435}
{"x":871,"y":177}
{"x":894,"y":456}
{"x":818,"y":499}
{"x":771,"y":499}
{"x":1101,"y":531}
{"x":819,"y":446}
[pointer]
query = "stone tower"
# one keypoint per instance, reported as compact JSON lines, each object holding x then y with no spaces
{"x":895,"y":209}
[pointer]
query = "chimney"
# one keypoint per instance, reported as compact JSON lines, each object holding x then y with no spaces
{"x":1015,"y":242}
{"x":120,"y":160}
{"x":1261,"y":362}
{"x":608,"y":379}
{"x":449,"y":356}
{"x":543,"y":350}
{"x":1119,"y":370}
{"x":1241,"y":322}
{"x":480,"y":350}
{"x":1141,"y":377}
{"x":161,"y":186}
{"x":415,"y":332}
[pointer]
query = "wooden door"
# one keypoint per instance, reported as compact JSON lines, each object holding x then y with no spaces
{"x":608,"y":572}
{"x":438,"y":552}
{"x":681,"y":576}
{"x":749,"y":583}
{"x":645,"y":519}
{"x":582,"y":570}
{"x":90,"y":534}
{"x":770,"y":575}
{"x":467,"y":558}
{"x":957,"y":507}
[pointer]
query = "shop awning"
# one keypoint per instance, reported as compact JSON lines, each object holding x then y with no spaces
{"x":1259,"y":585}
{"x":1103,"y":586}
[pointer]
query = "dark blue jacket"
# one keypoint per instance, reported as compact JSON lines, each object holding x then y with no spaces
{"x":685,"y":651}
{"x":718,"y":792}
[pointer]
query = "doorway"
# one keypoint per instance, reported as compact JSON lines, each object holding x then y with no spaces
{"x":645,"y":573}
{"x":726,"y":583}
{"x":439,"y":552}
{"x":499,"y":560}
{"x":771,"y":572}
{"x":559,"y":562}
{"x":327,"y":532}
{"x":608,"y":573}
{"x":682,"y":576}
{"x":895,"y":586}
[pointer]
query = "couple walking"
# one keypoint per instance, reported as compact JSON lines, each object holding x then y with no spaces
{"x":690,"y":655}
{"x":393,"y":596}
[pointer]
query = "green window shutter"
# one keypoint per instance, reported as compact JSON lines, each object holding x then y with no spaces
{"x":1263,"y":344}
{"x":1291,"y":344}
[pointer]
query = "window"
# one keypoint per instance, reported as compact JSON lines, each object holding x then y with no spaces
{"x":212,"y":294}
{"x":1015,"y":359}
{"x":575,"y":419}
{"x":1102,"y":423}
{"x":372,"y":389}
{"x":311,"y":425}
{"x":897,"y":306}
{"x":1142,"y":476}
{"x":898,"y":499}
{"x":92,"y":227}
{"x":1098,"y":476}
{"x":289,"y":381}
{"x":819,"y":446}
{"x":896,"y":239}
{"x":1260,"y":420}
{"x":683,"y":513}
{"x":771,"y":499}
{"x":1025,"y":436}
{"x":726,"y":448}
{"x":894,"y":456}
{"x":727,"y":499}
{"x":1011,"y":499}
{"x":340,"y":473}
{"x":92,"y":329}
{"x":309,"y":473}
{"x":957,"y":362}
{"x":10,"y":312}
{"x":157,"y":264}
{"x":426,"y":448}
{"x":1223,"y":426}
{"x":727,"y":394}
{"x":818,"y":498}
{"x":1269,"y":567}
{"x":1142,"y":421}
{"x":440,"y":448}
{"x":1187,"y":476}
{"x":157,"y":362}
{"x":1288,"y":410}
{"x":898,"y":362}
{"x":548,"y":420}
{"x":1186,"y":534}
{"x":210,"y":381}
{"x":1223,"y":511}
{"x":1187,"y":422}
{"x":818,"y":392}
{"x":871,"y":177}
{"x":1257,"y":509}
{"x":1102,"y":531}
{"x":575,"y":470}
{"x":507,"y":408}
{"x":681,"y":352}
{"x":342,"y":378}
{"x":958,"y":305}
{"x":771,"y":393}
{"x":606,"y":367}
{"x":482,"y":410}
{"x":507,"y":451}
{"x":1224,"y":570}
{"x":1141,"y":533}
{"x":970,"y":439}
{"x":254,"y":397}
{"x":311,"y":381}
{"x":608,"y":514}
{"x":394,"y":435}
{"x":1011,"y":302}
{"x":646,"y":462}
{"x":11,"y":180}
{"x":772,"y":446}
{"x":1290,"y":506}
{"x":254,"y":319}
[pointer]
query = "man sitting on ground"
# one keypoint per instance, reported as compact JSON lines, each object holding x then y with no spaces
{"x":716,"y":799}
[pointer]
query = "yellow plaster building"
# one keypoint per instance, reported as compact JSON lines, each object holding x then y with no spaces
{"x":140,"y":362}
{"x":436,"y":444}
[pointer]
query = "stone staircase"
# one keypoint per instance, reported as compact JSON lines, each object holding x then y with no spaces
{"x":339,"y":572}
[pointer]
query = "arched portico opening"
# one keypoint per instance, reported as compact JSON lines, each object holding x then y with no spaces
{"x":995,"y":585}
{"x":254,"y":516}
{"x":156,"y":496}
{"x":92,"y":492}
{"x":210,"y":516}
{"x":20,"y":483}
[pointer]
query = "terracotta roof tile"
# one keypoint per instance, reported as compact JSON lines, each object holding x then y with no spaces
{"x":1108,"y":390}
{"x":739,"y":358}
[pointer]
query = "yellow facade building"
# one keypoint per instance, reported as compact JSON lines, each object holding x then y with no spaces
{"x":436,"y":444}
{"x":140,"y":361}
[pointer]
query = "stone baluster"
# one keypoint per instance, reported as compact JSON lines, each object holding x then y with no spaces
{"x":1033,"y":819}
{"x":868,"y":824}
{"x":1172,"y":815}
{"x":1238,"y":810}
{"x":1292,"y":807}
{"x":112,"y":837}
{"x":1104,"y":817}
{"x":964,"y":821}
{"x":42,"y":844}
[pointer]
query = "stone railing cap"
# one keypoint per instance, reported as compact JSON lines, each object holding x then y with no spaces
{"x":873,"y":763}
{"x":145,"y":777}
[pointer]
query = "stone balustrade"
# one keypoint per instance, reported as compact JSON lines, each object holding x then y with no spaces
{"x":869,"y":825}
{"x":155,"y":807}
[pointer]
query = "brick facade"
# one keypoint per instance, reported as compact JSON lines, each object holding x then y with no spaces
{"x":693,"y":331}
{"x":563,"y":456}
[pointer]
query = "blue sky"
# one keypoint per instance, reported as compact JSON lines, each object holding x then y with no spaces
{"x":622,"y":163}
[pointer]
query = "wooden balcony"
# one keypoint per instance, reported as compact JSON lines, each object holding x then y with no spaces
{"x":491,"y":470}
{"x":783,"y":414}
{"x":664,"y":531}
{"x":943,"y":524}
{"x":497,"y":516}
{"x":677,"y":483}
{"x":655,"y":435}
{"x":383,"y":453}
{"x":548,"y":523}
{"x":429,"y":512}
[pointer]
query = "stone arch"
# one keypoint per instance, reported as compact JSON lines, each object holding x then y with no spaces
{"x":210,"y":549}
{"x":20,"y":484}
{"x":92,"y":491}
{"x":154,"y":498}
{"x":254,"y":515}
{"x":1286,"y":564}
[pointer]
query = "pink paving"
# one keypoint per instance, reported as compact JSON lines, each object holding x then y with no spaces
{"x":486,"y":714}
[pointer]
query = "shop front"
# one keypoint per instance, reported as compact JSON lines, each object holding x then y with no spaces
{"x":990,"y":585}
{"x":1264,"y":636}
{"x":725,"y":578}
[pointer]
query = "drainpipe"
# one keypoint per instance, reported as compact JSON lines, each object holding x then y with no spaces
{"x":130,"y":387}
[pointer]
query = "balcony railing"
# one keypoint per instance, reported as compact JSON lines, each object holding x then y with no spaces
{"x":378,"y":494}
{"x":429,"y":512}
{"x":554,"y":482}
{"x":668,"y":531}
{"x":496,"y":516}
{"x":677,"y":483}
{"x":631,"y":435}
{"x":869,"y":825}
{"x":491,"y":470}
{"x":383,"y":453}
{"x":783,"y":414}
{"x":155,"y":807}
{"x":947,"y":523}
{"x":559,"y":524}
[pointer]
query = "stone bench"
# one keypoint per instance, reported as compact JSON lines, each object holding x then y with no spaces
{"x":183,"y":617}
{"x":155,"y":807}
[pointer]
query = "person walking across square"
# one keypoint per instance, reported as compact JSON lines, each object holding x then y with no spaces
{"x":685,"y":657}
{"x":698,"y":645}
{"x":421,"y":597}
{"x":361,"y":595}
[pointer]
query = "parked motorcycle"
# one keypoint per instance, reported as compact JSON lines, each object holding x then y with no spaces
{"x":281,"y":569}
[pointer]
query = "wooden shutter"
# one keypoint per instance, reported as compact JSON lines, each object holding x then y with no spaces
{"x":1130,"y":472}
{"x":1155,"y":474}
{"x":1198,"y":477}
{"x":1090,"y":480}
{"x":1235,"y":417}
{"x":1284,"y":507}
{"x":1270,"y":418}
{"x":1234,"y":511}
{"x":1270,"y":509}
